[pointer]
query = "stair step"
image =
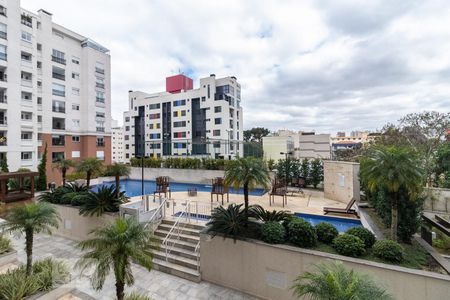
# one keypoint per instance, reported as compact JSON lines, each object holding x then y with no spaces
{"x":182,"y":237}
{"x":175,"y":259}
{"x":184,"y":230}
{"x":188,"y":225}
{"x":183,"y":252}
{"x":177,"y":270}
{"x":178,"y":243}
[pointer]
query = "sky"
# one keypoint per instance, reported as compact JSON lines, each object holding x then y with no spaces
{"x":322,"y":65}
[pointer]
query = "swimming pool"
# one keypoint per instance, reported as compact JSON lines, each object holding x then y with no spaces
{"x":341,"y":224}
{"x":133,"y":188}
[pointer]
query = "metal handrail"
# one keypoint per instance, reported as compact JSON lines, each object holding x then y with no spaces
{"x":156,"y":213}
{"x":197,"y":252}
{"x":174,"y":227}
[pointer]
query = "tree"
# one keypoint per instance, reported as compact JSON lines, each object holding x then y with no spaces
{"x":115,"y":247}
{"x":32,"y":218}
{"x":4,"y":165}
{"x":335,"y":282}
{"x":63,"y":165}
{"x":41,"y":184}
{"x":316,"y":172}
{"x":255,"y":134}
{"x":247,"y":172}
{"x":90,"y":166}
{"x":392,"y":168}
{"x":117,"y":170}
{"x":304,"y":170}
{"x":97,"y":203}
{"x":289,"y":168}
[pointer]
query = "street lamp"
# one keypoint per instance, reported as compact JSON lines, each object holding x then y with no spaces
{"x":286,"y":154}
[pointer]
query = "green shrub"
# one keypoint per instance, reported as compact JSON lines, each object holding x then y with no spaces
{"x":273,"y":232}
{"x":136,"y":296}
{"x":75,"y":176}
{"x":349,"y":245}
{"x":364,"y":234}
{"x":326,"y":232}
{"x":5,"y":244}
{"x":258,"y":212}
{"x":301,"y":233}
{"x":51,"y":273}
{"x":228,"y":221}
{"x":388,"y":250}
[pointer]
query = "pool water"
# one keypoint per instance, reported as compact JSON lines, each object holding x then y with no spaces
{"x":341,"y":224}
{"x":194,"y":216}
{"x":133,"y":187}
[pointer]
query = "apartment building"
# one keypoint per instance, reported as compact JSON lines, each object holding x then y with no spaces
{"x":117,"y":146}
{"x":274,"y":146}
{"x":202,"y":122}
{"x":54,"y":91}
{"x":313,"y":146}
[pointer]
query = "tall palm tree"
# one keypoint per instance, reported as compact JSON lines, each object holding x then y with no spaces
{"x":115,"y":247}
{"x":63,"y":165}
{"x":117,"y":170}
{"x":334,"y":282}
{"x":390,"y":168}
{"x":96,"y":203}
{"x":90,"y":166}
{"x":30,"y":219}
{"x":247,"y":172}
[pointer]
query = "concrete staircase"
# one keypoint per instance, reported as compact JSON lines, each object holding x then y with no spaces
{"x":182,"y":259}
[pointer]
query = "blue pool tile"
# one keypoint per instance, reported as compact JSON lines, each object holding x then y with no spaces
{"x":341,"y":224}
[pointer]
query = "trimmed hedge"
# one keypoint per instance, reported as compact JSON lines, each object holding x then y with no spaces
{"x":273,"y":233}
{"x":180,"y":163}
{"x":302,"y":233}
{"x":364,"y":234}
{"x":388,"y":250}
{"x":349,"y":245}
{"x":326,"y":232}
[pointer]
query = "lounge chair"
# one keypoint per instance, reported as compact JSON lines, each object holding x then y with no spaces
{"x":278,"y":189}
{"x":347,"y":210}
{"x":219,"y":187}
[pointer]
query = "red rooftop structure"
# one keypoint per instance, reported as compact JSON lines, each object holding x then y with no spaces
{"x":175,"y":84}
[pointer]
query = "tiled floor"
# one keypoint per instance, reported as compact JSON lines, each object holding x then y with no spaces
{"x":156,"y":284}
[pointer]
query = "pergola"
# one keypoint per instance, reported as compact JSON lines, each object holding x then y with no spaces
{"x":20,"y":192}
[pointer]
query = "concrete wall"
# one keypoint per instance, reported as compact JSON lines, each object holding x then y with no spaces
{"x":177,"y":175}
{"x":341,"y":180}
{"x":273,"y":145}
{"x":76,"y":227}
{"x":437,"y":200}
{"x":267,"y":271}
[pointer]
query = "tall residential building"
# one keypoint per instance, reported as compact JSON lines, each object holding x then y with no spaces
{"x":204,"y":122}
{"x":54,"y":91}
{"x":117,"y":147}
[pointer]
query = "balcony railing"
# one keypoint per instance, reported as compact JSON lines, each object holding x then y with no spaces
{"x":3,"y":98}
{"x":27,"y":82}
{"x":3,"y":77}
{"x":100,"y":85}
{"x":26,"y":21}
{"x":58,"y":60}
{"x":100,"y":144}
{"x":3,"y":11}
{"x":59,"y":76}
{"x":98,"y":99}
{"x":59,"y":109}
{"x":3,"y":122}
{"x":3,"y":141}
{"x":99,"y":71}
{"x":59,"y":93}
{"x":58,"y":142}
{"x":100,"y":129}
{"x":3,"y":35}
{"x":59,"y":127}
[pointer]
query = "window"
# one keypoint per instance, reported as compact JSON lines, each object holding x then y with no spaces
{"x":178,"y":135}
{"x":3,"y":31}
{"x":76,"y":91}
{"x":100,"y":97}
{"x":39,"y":100}
{"x":75,"y":138}
{"x":99,"y":82}
{"x":26,"y":135}
{"x":26,"y":96}
{"x":58,"y":56}
{"x":75,"y":106}
{"x":99,"y":68}
{"x":99,"y":114}
{"x":218,"y":121}
{"x":3,"y":52}
{"x":76,"y":154}
{"x":75,"y":76}
{"x":58,"y":140}
{"x":217,"y":109}
{"x":155,"y":126}
{"x":26,"y":155}
{"x":154,"y":116}
{"x":154,"y":136}
{"x":58,"y":73}
{"x":26,"y":20}
{"x":57,"y":156}
{"x":179,"y":124}
{"x":179,"y":145}
{"x":39,"y":119}
{"x":26,"y":36}
{"x":127,"y":119}
{"x":216,"y":132}
{"x":26,"y":116}
{"x":179,"y":103}
{"x":58,"y":123}
{"x":203,"y":99}
{"x":2,"y":10}
{"x":39,"y":47}
{"x":154,"y":106}
{"x":58,"y":90}
{"x":100,"y":141}
{"x":58,"y":106}
{"x":76,"y":123}
{"x":75,"y":60}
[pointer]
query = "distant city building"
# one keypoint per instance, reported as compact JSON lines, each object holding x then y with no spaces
{"x":117,"y":154}
{"x":273,"y":146}
{"x":204,"y":122}
{"x":355,"y":141}
{"x":313,"y":145}
{"x":54,"y":92}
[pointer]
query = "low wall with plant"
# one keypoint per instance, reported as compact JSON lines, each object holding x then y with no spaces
{"x":267,"y":271}
{"x":177,"y":175}
{"x":437,"y":199}
{"x":180,"y":163}
{"x":77,"y":227}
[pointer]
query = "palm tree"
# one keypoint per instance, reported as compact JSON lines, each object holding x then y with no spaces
{"x":390,"y":168}
{"x":117,"y":170}
{"x":30,"y":219}
{"x":335,"y":282}
{"x":63,"y":165}
{"x":96,"y":203}
{"x":247,"y":172}
{"x":90,"y":166}
{"x":115,"y":247}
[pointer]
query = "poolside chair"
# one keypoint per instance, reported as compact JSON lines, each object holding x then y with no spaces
{"x":162,"y":187}
{"x":219,"y":188}
{"x":347,"y":210}
{"x":278,"y":189}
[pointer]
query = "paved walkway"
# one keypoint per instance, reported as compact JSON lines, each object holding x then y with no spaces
{"x":156,"y":284}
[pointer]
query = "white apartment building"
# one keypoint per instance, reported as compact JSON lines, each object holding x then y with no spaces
{"x":54,"y":91}
{"x":274,"y":146}
{"x":313,"y":146}
{"x":204,"y":122}
{"x":117,"y":147}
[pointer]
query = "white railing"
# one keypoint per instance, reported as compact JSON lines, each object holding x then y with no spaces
{"x":195,"y":211}
{"x":158,"y":215}
{"x":197,"y":254}
{"x":175,"y":230}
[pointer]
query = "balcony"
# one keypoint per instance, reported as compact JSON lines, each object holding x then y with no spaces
{"x":59,"y":109}
{"x":58,"y":60}
{"x":58,"y":93}
{"x":58,"y":141}
{"x":27,"y":21}
{"x":26,"y":63}
{"x":101,"y":100}
{"x":58,"y":76}
{"x":99,"y":71}
{"x":100,"y":129}
{"x":27,"y":82}
{"x":2,"y":11}
{"x":3,"y":35}
{"x":3,"y":141}
{"x":100,"y":144}
{"x":3,"y":56}
{"x":3,"y":98}
{"x":100,"y":85}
